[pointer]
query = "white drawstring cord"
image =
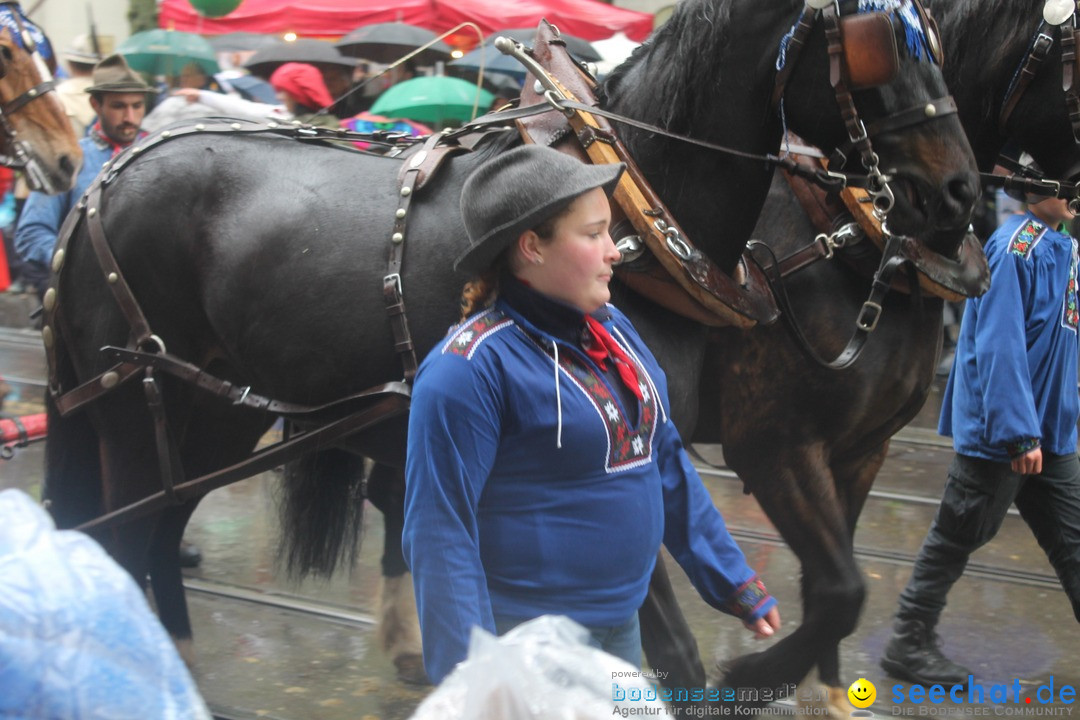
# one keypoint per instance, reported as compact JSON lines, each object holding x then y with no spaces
{"x":558,"y":399}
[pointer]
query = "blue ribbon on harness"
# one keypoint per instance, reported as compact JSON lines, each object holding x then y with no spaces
{"x":7,"y":20}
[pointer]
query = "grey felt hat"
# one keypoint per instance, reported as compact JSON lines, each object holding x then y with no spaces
{"x":518,"y":190}
{"x":114,"y":75}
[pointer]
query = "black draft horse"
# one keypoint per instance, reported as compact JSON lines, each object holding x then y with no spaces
{"x":35,"y":135}
{"x":808,"y":441}
{"x":261,"y":259}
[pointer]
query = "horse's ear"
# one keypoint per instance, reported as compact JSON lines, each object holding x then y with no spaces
{"x":870,"y":50}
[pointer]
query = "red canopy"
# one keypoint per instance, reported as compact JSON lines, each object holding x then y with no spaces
{"x":587,"y":19}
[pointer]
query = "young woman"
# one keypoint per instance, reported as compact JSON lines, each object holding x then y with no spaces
{"x":543,"y":472}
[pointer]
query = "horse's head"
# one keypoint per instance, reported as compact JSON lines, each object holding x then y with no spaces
{"x":35,"y":133}
{"x":875,"y":65}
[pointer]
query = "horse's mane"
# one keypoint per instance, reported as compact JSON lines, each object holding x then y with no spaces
{"x":673,"y":54}
{"x":967,"y":25}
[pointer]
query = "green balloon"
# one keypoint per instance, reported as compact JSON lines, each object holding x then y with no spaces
{"x":215,"y":8}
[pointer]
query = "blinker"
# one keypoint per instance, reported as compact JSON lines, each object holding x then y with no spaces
{"x":1056,"y":12}
{"x":870,"y":51}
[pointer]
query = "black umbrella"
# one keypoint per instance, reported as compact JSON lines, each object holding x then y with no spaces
{"x":580,"y":49}
{"x":390,"y":41}
{"x":305,"y":50}
{"x":242,"y":41}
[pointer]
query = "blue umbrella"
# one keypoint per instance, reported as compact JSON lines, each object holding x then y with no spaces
{"x":492,"y":61}
{"x":252,"y":88}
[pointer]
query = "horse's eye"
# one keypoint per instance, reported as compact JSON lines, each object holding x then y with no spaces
{"x":5,"y":51}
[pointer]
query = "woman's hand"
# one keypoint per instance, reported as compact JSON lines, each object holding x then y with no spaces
{"x":766,"y":625}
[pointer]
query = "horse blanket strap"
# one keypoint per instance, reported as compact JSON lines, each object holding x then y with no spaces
{"x":736,"y":304}
{"x":390,"y":406}
{"x":869,"y":314}
{"x":1040,"y":48}
{"x":414,"y":173}
{"x":140,"y":328}
{"x":169,"y":466}
{"x":236,"y":394}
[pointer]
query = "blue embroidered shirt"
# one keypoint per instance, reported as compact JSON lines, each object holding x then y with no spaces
{"x":501,"y":520}
{"x":1013,"y":383}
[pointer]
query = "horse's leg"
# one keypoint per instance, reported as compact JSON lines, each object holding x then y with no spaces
{"x":166,"y":579}
{"x":209,"y":436}
{"x":854,"y":478}
{"x":669,"y":644}
{"x":72,"y":489}
{"x":796,"y":491}
{"x":399,"y":626}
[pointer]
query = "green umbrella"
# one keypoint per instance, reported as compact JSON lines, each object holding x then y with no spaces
{"x":434,"y":100}
{"x":166,"y":52}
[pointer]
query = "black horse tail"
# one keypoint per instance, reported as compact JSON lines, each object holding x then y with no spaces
{"x":321,"y":510}
{"x":72,"y":489}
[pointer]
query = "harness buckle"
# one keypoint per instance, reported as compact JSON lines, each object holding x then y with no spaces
{"x":1053,"y":185}
{"x":396,"y":279}
{"x":243,"y":395}
{"x":868,"y":316}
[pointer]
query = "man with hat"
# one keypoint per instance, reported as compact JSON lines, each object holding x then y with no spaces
{"x":81,"y":59}
{"x":118,"y":98}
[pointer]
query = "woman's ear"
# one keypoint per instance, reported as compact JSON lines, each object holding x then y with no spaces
{"x":528,"y":245}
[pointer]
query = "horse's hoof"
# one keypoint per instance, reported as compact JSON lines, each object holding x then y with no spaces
{"x":398,"y":630}
{"x":410,"y":669}
{"x":827,"y":700}
{"x":838,"y":705}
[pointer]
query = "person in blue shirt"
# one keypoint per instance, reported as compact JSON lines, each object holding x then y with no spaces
{"x":1011,"y":408}
{"x":118,"y":96}
{"x":543,"y":472}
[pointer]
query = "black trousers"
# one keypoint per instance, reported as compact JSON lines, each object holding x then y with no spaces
{"x":977,"y":496}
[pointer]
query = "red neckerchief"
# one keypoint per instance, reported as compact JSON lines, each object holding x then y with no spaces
{"x":604,"y":347}
{"x":101,"y":137}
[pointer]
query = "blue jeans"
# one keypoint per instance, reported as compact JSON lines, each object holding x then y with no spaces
{"x":622,"y":641}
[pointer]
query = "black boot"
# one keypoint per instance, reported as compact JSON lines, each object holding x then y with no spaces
{"x":912,"y":654}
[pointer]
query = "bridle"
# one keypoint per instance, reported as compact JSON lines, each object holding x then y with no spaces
{"x":862,"y":54}
{"x":1059,"y":20}
{"x":18,"y":155}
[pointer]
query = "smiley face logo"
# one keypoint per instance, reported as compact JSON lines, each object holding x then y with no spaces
{"x":862,"y":693}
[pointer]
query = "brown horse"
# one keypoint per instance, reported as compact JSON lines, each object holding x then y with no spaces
{"x":35,"y":135}
{"x":807,"y":440}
